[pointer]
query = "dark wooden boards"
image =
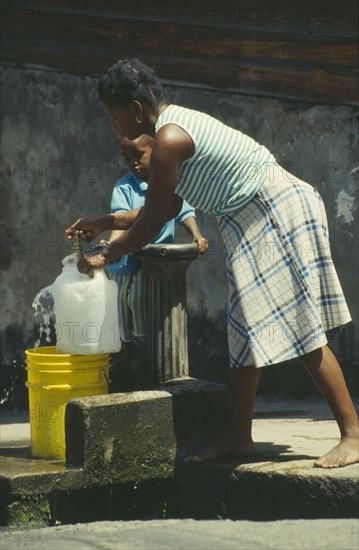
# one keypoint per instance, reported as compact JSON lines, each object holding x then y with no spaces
{"x":287,"y":49}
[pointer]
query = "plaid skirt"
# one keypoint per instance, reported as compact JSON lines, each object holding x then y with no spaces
{"x":284,"y":292}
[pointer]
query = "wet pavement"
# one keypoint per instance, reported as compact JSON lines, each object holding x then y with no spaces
{"x":289,"y":436}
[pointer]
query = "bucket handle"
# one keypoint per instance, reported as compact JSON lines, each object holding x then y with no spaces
{"x":108,"y":380}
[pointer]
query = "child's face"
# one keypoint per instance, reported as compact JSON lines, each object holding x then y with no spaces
{"x":137,"y":155}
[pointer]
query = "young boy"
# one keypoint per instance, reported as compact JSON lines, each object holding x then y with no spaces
{"x":128,"y":194}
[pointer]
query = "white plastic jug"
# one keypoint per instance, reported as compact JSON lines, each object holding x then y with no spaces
{"x":86,"y":311}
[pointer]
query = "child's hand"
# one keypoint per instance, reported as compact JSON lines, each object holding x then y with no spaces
{"x":91,"y":228}
{"x":202,"y":245}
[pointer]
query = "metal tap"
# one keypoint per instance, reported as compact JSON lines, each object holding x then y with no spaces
{"x":76,"y":247}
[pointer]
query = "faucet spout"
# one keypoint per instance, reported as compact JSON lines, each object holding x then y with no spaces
{"x":76,"y":247}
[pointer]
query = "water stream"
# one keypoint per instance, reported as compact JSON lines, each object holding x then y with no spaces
{"x":43,"y":305}
{"x":13,"y":390}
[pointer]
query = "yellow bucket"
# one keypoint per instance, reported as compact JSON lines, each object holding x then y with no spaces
{"x":53,"y":380}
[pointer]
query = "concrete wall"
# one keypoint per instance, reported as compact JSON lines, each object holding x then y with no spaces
{"x":60,"y":160}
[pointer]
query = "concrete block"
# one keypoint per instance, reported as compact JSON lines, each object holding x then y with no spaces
{"x":201,"y":411}
{"x":127,"y":436}
{"x":138,"y":435}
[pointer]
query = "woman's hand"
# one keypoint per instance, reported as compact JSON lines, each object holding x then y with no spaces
{"x":109,"y":254}
{"x":88,"y":264}
{"x":202,"y":244}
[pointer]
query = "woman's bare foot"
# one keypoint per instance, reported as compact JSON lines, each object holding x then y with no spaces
{"x":325,"y":370}
{"x":226,"y":447}
{"x":345,"y":453}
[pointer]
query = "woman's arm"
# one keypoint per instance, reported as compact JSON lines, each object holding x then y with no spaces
{"x":171,"y":147}
{"x":115,"y":233}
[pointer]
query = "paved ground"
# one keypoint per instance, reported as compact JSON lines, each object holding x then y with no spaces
{"x":290,"y":436}
{"x":270,"y":412}
{"x":189,"y":534}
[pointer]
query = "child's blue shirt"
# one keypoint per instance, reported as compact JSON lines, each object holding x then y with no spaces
{"x":128,"y":194}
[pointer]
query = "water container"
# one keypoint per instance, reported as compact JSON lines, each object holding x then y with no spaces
{"x":86,"y":311}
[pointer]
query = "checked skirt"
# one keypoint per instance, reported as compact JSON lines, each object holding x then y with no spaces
{"x":284,"y":292}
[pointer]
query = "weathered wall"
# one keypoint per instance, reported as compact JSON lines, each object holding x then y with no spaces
{"x":60,"y":160}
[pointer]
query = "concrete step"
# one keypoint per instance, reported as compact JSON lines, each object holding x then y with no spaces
{"x":279,"y":483}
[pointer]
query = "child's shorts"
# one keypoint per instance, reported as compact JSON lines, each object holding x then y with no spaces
{"x":132,"y":304}
{"x":284,"y":291}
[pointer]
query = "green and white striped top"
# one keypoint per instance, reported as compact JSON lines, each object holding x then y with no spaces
{"x":227,"y":168}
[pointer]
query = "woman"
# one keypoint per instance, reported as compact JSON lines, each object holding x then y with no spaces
{"x":284,"y":292}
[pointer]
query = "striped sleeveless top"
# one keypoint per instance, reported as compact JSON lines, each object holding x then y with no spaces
{"x":227,"y":168}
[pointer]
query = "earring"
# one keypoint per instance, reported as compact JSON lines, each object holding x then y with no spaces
{"x":138,"y":119}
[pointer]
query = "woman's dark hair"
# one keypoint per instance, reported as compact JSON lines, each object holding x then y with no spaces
{"x":129,"y":80}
